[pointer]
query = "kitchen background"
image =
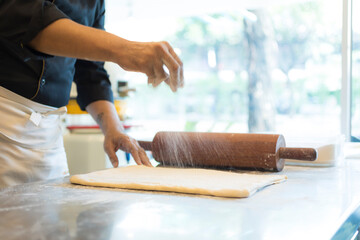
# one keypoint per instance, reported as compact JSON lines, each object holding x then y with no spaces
{"x":250,"y":66}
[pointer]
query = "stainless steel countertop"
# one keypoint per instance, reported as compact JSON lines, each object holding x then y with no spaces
{"x":312,"y":204}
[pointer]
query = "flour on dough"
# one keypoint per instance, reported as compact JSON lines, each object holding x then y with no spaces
{"x":181,"y":180}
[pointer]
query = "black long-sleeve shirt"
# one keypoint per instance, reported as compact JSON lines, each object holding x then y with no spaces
{"x":40,"y":77}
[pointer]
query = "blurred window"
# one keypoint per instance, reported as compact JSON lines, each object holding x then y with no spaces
{"x":355,"y":108}
{"x":264,"y":67}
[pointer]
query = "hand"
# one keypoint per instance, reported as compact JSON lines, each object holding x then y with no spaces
{"x":118,"y":140}
{"x":150,"y":58}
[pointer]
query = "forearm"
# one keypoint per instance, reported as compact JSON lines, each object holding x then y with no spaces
{"x":67,"y":38}
{"x":105,"y":115}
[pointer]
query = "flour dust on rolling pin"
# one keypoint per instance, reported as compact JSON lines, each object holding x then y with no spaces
{"x":182,"y":150}
{"x":224,"y":150}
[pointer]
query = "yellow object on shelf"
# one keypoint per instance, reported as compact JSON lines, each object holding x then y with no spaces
{"x":120,"y":106}
{"x":74,"y":108}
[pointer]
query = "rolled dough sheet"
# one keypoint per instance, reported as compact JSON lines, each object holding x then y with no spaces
{"x":188,"y":180}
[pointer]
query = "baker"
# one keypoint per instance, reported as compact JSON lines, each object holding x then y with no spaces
{"x":44,"y":46}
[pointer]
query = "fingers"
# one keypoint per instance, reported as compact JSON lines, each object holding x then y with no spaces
{"x":151,"y":80}
{"x":163,"y":77}
{"x":157,"y":74}
{"x":136,"y":157}
{"x":175,"y":71}
{"x":160,"y":74}
{"x":175,"y":56}
{"x":140,"y":156}
{"x":111,"y":152}
{"x":145,"y":159}
{"x":166,"y":56}
{"x":126,"y":144}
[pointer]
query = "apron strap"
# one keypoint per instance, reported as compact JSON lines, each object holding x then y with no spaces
{"x":36,"y":117}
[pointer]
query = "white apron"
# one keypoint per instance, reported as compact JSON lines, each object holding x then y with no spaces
{"x":31,"y":143}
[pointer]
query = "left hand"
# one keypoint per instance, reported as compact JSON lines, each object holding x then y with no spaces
{"x":117,"y":140}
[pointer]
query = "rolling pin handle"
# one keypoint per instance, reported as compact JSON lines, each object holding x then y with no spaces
{"x":146,"y":145}
{"x":307,"y":154}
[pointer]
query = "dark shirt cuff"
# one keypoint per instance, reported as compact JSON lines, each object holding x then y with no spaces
{"x":88,"y":93}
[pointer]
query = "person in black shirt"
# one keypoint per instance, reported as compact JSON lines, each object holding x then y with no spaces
{"x":44,"y":46}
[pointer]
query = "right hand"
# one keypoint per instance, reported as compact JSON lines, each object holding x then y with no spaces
{"x":116,"y":140}
{"x":150,"y":58}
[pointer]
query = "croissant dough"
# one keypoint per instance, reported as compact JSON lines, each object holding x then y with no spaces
{"x":181,"y":180}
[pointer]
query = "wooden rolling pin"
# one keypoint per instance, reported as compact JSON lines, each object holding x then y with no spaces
{"x":224,"y":150}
